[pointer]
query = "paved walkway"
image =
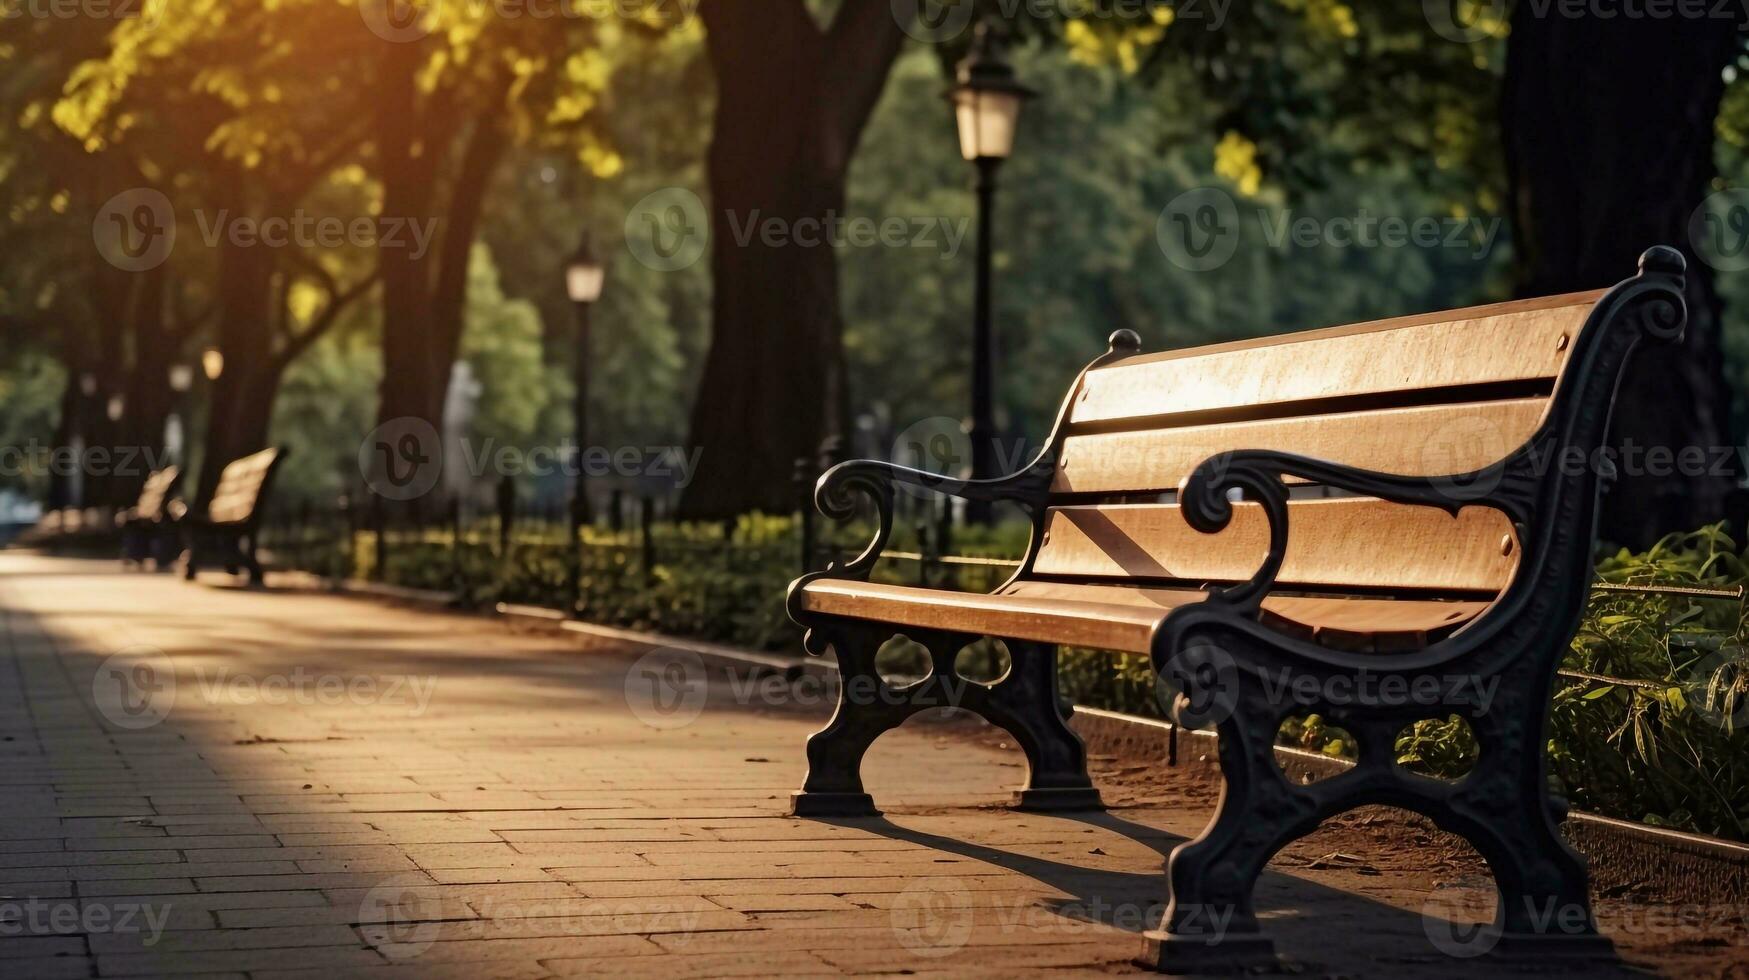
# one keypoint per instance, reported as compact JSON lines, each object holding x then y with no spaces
{"x":202,"y":779}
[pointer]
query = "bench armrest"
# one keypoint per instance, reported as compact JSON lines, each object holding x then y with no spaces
{"x":1030,"y":486}
{"x":1206,"y":507}
{"x":836,"y":492}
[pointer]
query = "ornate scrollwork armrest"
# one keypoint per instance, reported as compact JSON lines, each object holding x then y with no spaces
{"x":835,"y":496}
{"x":1206,"y":507}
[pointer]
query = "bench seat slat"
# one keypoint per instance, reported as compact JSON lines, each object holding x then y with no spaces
{"x":1428,"y":357}
{"x":1118,"y":617}
{"x":1355,"y":542}
{"x":1433,"y":440}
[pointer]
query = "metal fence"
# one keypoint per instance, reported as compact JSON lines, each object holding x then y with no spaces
{"x":631,"y":565}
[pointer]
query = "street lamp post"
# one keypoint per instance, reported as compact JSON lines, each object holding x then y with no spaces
{"x":987,"y":101}
{"x":584,"y":278}
{"x":181,"y":379}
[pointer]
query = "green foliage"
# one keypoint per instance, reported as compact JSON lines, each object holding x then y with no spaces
{"x":1077,"y":251}
{"x":30,"y":390}
{"x":1664,"y":743}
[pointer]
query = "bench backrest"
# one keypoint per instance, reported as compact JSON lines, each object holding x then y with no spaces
{"x":155,"y":493}
{"x":1427,"y":395}
{"x":242,"y":486}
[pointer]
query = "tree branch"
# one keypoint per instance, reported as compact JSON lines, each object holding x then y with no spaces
{"x":861,"y":46}
{"x":299,"y":342}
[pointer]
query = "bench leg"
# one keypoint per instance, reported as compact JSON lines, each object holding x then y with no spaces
{"x":1506,"y":812}
{"x":252,"y":564}
{"x":1027,"y":705}
{"x":1210,"y":925}
{"x":833,"y":787}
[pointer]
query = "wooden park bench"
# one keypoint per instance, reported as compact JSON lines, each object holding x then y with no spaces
{"x":226,"y":533}
{"x":146,"y":531}
{"x":1414,"y":542}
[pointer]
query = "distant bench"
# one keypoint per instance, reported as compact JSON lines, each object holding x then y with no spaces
{"x":226,"y":534}
{"x":146,"y":531}
{"x":1414,"y":542}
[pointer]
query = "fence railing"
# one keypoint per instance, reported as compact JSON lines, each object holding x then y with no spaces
{"x":632,"y":565}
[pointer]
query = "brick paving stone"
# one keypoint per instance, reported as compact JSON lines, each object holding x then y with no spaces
{"x":521,"y":821}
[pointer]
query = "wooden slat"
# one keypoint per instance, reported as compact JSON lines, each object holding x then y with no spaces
{"x":150,"y":506}
{"x":1353,"y":542}
{"x":1511,"y":342}
{"x":1118,"y":617}
{"x":1110,"y":626}
{"x":239,"y":487}
{"x":1321,"y":615}
{"x":1430,"y":441}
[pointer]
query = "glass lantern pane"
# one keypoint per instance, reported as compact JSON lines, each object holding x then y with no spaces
{"x":997,"y":113}
{"x":966,"y":110}
{"x":584,"y":282}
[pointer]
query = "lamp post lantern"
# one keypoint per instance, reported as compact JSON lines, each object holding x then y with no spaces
{"x":987,"y":101}
{"x":585,"y":275}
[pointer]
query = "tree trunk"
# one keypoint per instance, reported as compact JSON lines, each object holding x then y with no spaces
{"x":149,"y":399}
{"x":792,"y":101}
{"x":425,"y":295}
{"x":409,"y":387}
{"x":242,"y":395}
{"x":1608,"y":128}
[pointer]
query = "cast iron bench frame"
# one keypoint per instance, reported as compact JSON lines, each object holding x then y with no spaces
{"x":1214,"y":653}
